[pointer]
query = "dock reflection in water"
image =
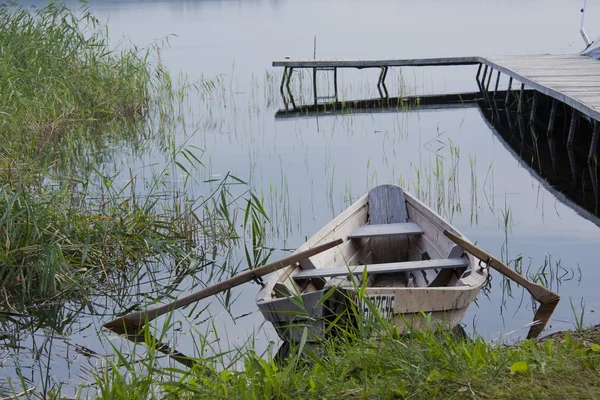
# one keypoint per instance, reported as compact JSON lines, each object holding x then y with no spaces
{"x":565,"y":169}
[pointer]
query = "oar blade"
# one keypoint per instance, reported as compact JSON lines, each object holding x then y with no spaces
{"x":130,"y":324}
{"x":547,"y":298}
{"x":541,"y":318}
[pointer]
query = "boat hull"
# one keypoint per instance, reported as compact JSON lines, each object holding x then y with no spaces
{"x":308,"y":311}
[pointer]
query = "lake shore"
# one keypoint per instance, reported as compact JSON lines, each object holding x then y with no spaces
{"x":421,"y":365}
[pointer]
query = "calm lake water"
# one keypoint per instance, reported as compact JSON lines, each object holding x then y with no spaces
{"x":308,"y":168}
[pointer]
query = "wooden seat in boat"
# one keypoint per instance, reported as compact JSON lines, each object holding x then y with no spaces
{"x":385,"y":230}
{"x":384,"y":268}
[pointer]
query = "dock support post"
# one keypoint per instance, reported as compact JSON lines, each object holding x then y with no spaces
{"x":533,"y":109}
{"x":521,"y":97}
{"x":571,"y":136}
{"x":383,"y":82}
{"x":508,"y":119}
{"x":497,"y":82}
{"x":594,"y":143}
{"x":315,"y":85}
{"x":335,"y":92}
{"x":520,"y":124}
{"x":285,"y":100}
{"x":507,"y":100}
{"x":487,"y":86}
{"x":552,"y":118}
{"x":477,"y":77}
{"x":594,"y":178}
{"x":287,"y":72}
{"x":483,"y":79}
{"x":552,"y":149}
{"x":290,"y":70}
{"x":496,"y":110}
{"x":573,"y":164}
{"x":283,"y":78}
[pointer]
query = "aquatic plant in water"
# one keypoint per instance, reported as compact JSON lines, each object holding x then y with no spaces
{"x":65,"y":222}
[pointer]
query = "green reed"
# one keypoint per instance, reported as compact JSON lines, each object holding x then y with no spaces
{"x":67,"y":219}
{"x":58,"y":71}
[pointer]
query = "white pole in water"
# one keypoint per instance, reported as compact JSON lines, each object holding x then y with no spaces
{"x":581,"y":30}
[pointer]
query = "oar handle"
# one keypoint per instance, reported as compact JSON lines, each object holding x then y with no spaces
{"x":133,"y":322}
{"x":540,"y":293}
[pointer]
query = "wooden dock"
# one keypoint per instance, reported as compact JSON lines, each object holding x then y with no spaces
{"x":571,"y":79}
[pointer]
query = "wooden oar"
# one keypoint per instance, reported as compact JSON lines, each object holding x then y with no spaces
{"x":132,"y":323}
{"x":547,"y":298}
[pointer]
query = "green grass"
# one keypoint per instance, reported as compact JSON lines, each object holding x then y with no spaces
{"x":420,"y":366}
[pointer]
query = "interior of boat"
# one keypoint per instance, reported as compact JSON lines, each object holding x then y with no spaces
{"x":398,"y":240}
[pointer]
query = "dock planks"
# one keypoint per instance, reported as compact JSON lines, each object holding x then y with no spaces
{"x":572,"y":79}
{"x":339,"y":63}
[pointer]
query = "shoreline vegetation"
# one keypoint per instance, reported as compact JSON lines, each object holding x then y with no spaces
{"x":68,"y":232}
{"x":421,"y":365}
{"x":67,"y":222}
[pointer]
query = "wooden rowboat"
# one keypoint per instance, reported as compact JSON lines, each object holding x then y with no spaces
{"x":412,"y":269}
